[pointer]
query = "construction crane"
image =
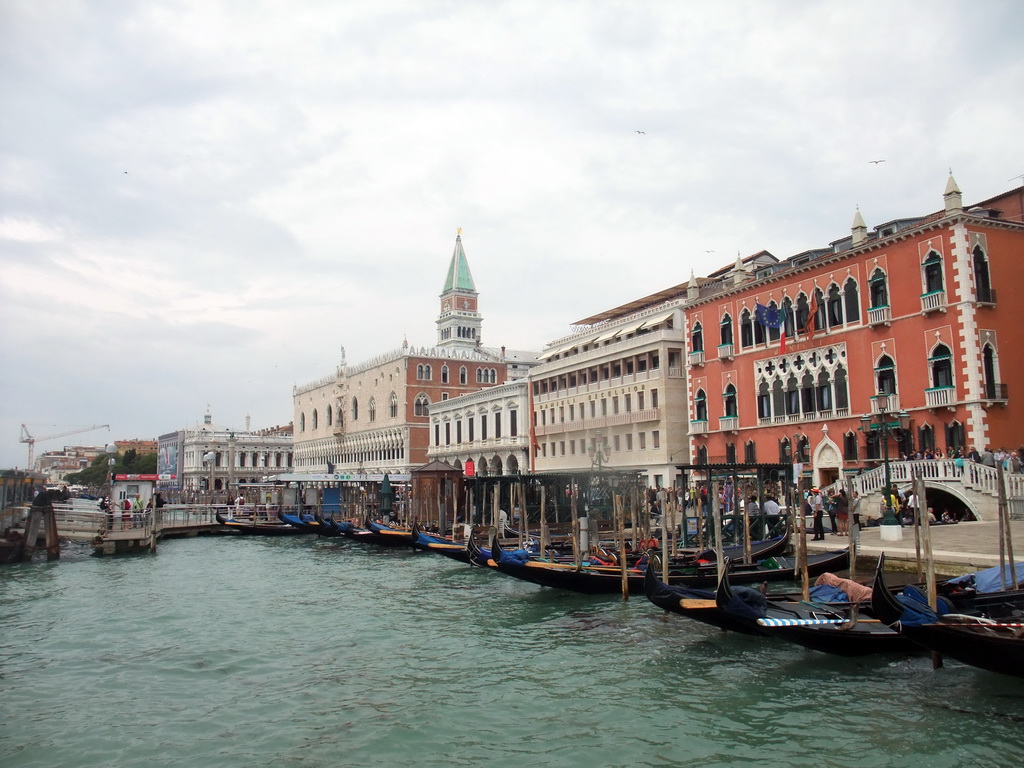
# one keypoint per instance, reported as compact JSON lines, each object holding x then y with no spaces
{"x":27,"y":438}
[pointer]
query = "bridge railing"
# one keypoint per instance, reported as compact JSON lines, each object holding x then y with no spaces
{"x":977,"y":477}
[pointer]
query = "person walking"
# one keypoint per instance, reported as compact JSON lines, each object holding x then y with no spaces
{"x":842,"y":513}
{"x":817,"y":505}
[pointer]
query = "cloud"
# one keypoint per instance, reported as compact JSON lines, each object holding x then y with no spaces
{"x":205,"y":200}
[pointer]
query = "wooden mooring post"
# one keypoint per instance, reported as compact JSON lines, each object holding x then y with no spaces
{"x":39,"y":518}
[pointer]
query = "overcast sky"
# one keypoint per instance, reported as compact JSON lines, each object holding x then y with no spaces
{"x":201,"y":202}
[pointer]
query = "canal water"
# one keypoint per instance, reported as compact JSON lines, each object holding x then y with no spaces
{"x":304,"y":652}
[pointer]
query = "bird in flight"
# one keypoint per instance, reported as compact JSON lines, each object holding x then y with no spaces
{"x":641,"y":132}
{"x":875,"y":162}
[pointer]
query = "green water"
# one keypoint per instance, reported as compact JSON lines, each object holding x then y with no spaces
{"x":305,"y":652}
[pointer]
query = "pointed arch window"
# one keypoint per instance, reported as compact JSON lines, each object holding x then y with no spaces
{"x":990,"y":371}
{"x":955,"y":436}
{"x":850,"y":446}
{"x":393,"y":406}
{"x":355,"y":409}
{"x":982,"y":278}
{"x":774,"y":332}
{"x":803,"y":311}
{"x":316,"y":419}
{"x":697,"y":338}
{"x":824,"y":391}
{"x":444,"y":374}
{"x":885,"y":375}
{"x":700,"y":405}
{"x":788,"y":318}
{"x":878,"y":289}
{"x":932,"y":272}
{"x":463,"y":375}
{"x":302,"y":422}
{"x":730,"y":453}
{"x":820,"y":314}
{"x":729,"y":403}
{"x":764,"y":401}
{"x":330,"y":416}
{"x":725,"y":329}
{"x":941,"y":364}
{"x":792,"y":397}
{"x":926,"y":437}
{"x":371,"y":409}
{"x":421,"y":405}
{"x":750,"y":452}
{"x":702,"y":455}
{"x":851,"y":300}
{"x":834,"y":306}
{"x":746,"y":329}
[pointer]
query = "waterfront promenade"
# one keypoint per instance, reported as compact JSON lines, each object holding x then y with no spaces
{"x":957,"y":549}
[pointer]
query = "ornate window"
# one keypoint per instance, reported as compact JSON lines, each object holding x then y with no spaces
{"x":932,"y":272}
{"x":316,"y":419}
{"x":393,"y":406}
{"x":750,"y":452}
{"x":941,"y":364}
{"x":330,"y":416}
{"x":700,"y":405}
{"x":355,"y":409}
{"x":697,"y":338}
{"x":878,"y":289}
{"x":885,"y":375}
{"x":444,"y":374}
{"x":729,"y":402}
{"x":463,"y":377}
{"x":421,"y":405}
{"x":725,"y":329}
{"x":851,"y":300}
{"x":982,"y":278}
{"x":746,"y":329}
{"x":372,"y":409}
{"x":850,"y":446}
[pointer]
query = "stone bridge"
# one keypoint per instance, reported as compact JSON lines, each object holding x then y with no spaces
{"x":970,"y":486}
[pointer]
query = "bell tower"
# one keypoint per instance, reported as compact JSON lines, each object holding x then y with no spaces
{"x":459,"y":323}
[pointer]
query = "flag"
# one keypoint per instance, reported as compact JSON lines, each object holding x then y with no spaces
{"x":811,"y":312}
{"x":772,"y":317}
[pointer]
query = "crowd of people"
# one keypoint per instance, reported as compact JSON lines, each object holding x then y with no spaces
{"x":1012,"y":461}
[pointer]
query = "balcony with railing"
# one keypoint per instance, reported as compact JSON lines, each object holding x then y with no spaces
{"x":879,"y":315}
{"x":987,"y":296}
{"x":996,"y":391}
{"x":935,"y":300}
{"x":729,"y":423}
{"x":885,"y":403}
{"x":726,"y":351}
{"x":938,"y":397}
{"x":697,"y":357}
{"x":699,"y":427}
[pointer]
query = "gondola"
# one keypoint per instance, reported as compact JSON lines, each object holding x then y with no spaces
{"x":842,"y":629}
{"x":600,"y":580}
{"x":442,"y":545}
{"x":993,"y":642}
{"x":307,"y":523}
{"x":252,"y":528}
{"x":386,"y":536}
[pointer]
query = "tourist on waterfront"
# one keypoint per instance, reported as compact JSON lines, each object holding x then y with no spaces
{"x":842,"y":513}
{"x":854,"y":509}
{"x":988,"y":458}
{"x":832,"y":509}
{"x":817,"y":505}
{"x":910,"y":508}
{"x":973,"y":455}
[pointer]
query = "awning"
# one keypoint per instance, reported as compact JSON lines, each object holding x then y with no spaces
{"x":606,"y":336}
{"x":657,"y":319}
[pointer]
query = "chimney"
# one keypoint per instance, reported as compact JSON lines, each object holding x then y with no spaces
{"x":692,"y":290}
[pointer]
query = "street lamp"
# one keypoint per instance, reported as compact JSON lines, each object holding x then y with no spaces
{"x":599,"y":451}
{"x":882,"y":422}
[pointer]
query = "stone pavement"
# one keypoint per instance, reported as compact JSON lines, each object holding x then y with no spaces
{"x":957,"y":549}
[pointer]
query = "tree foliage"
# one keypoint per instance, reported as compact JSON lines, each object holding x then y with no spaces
{"x":130,"y":463}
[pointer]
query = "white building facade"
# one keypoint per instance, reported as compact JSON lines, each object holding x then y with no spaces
{"x":485,"y":432}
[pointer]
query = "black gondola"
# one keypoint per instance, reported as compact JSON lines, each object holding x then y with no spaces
{"x":987,"y":642}
{"x":603,"y":580}
{"x":253,"y":528}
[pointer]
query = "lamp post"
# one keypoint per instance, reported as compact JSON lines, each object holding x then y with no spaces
{"x":882,"y":422}
{"x":111,"y":451}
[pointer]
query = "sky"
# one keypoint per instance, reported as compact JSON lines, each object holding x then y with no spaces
{"x":202,"y":202}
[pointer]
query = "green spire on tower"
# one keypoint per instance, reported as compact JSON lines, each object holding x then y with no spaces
{"x":459,"y":277}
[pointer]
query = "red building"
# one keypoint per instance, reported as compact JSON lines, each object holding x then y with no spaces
{"x":800,"y":350}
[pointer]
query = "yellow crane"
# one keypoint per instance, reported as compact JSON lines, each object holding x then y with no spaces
{"x":27,"y":438}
